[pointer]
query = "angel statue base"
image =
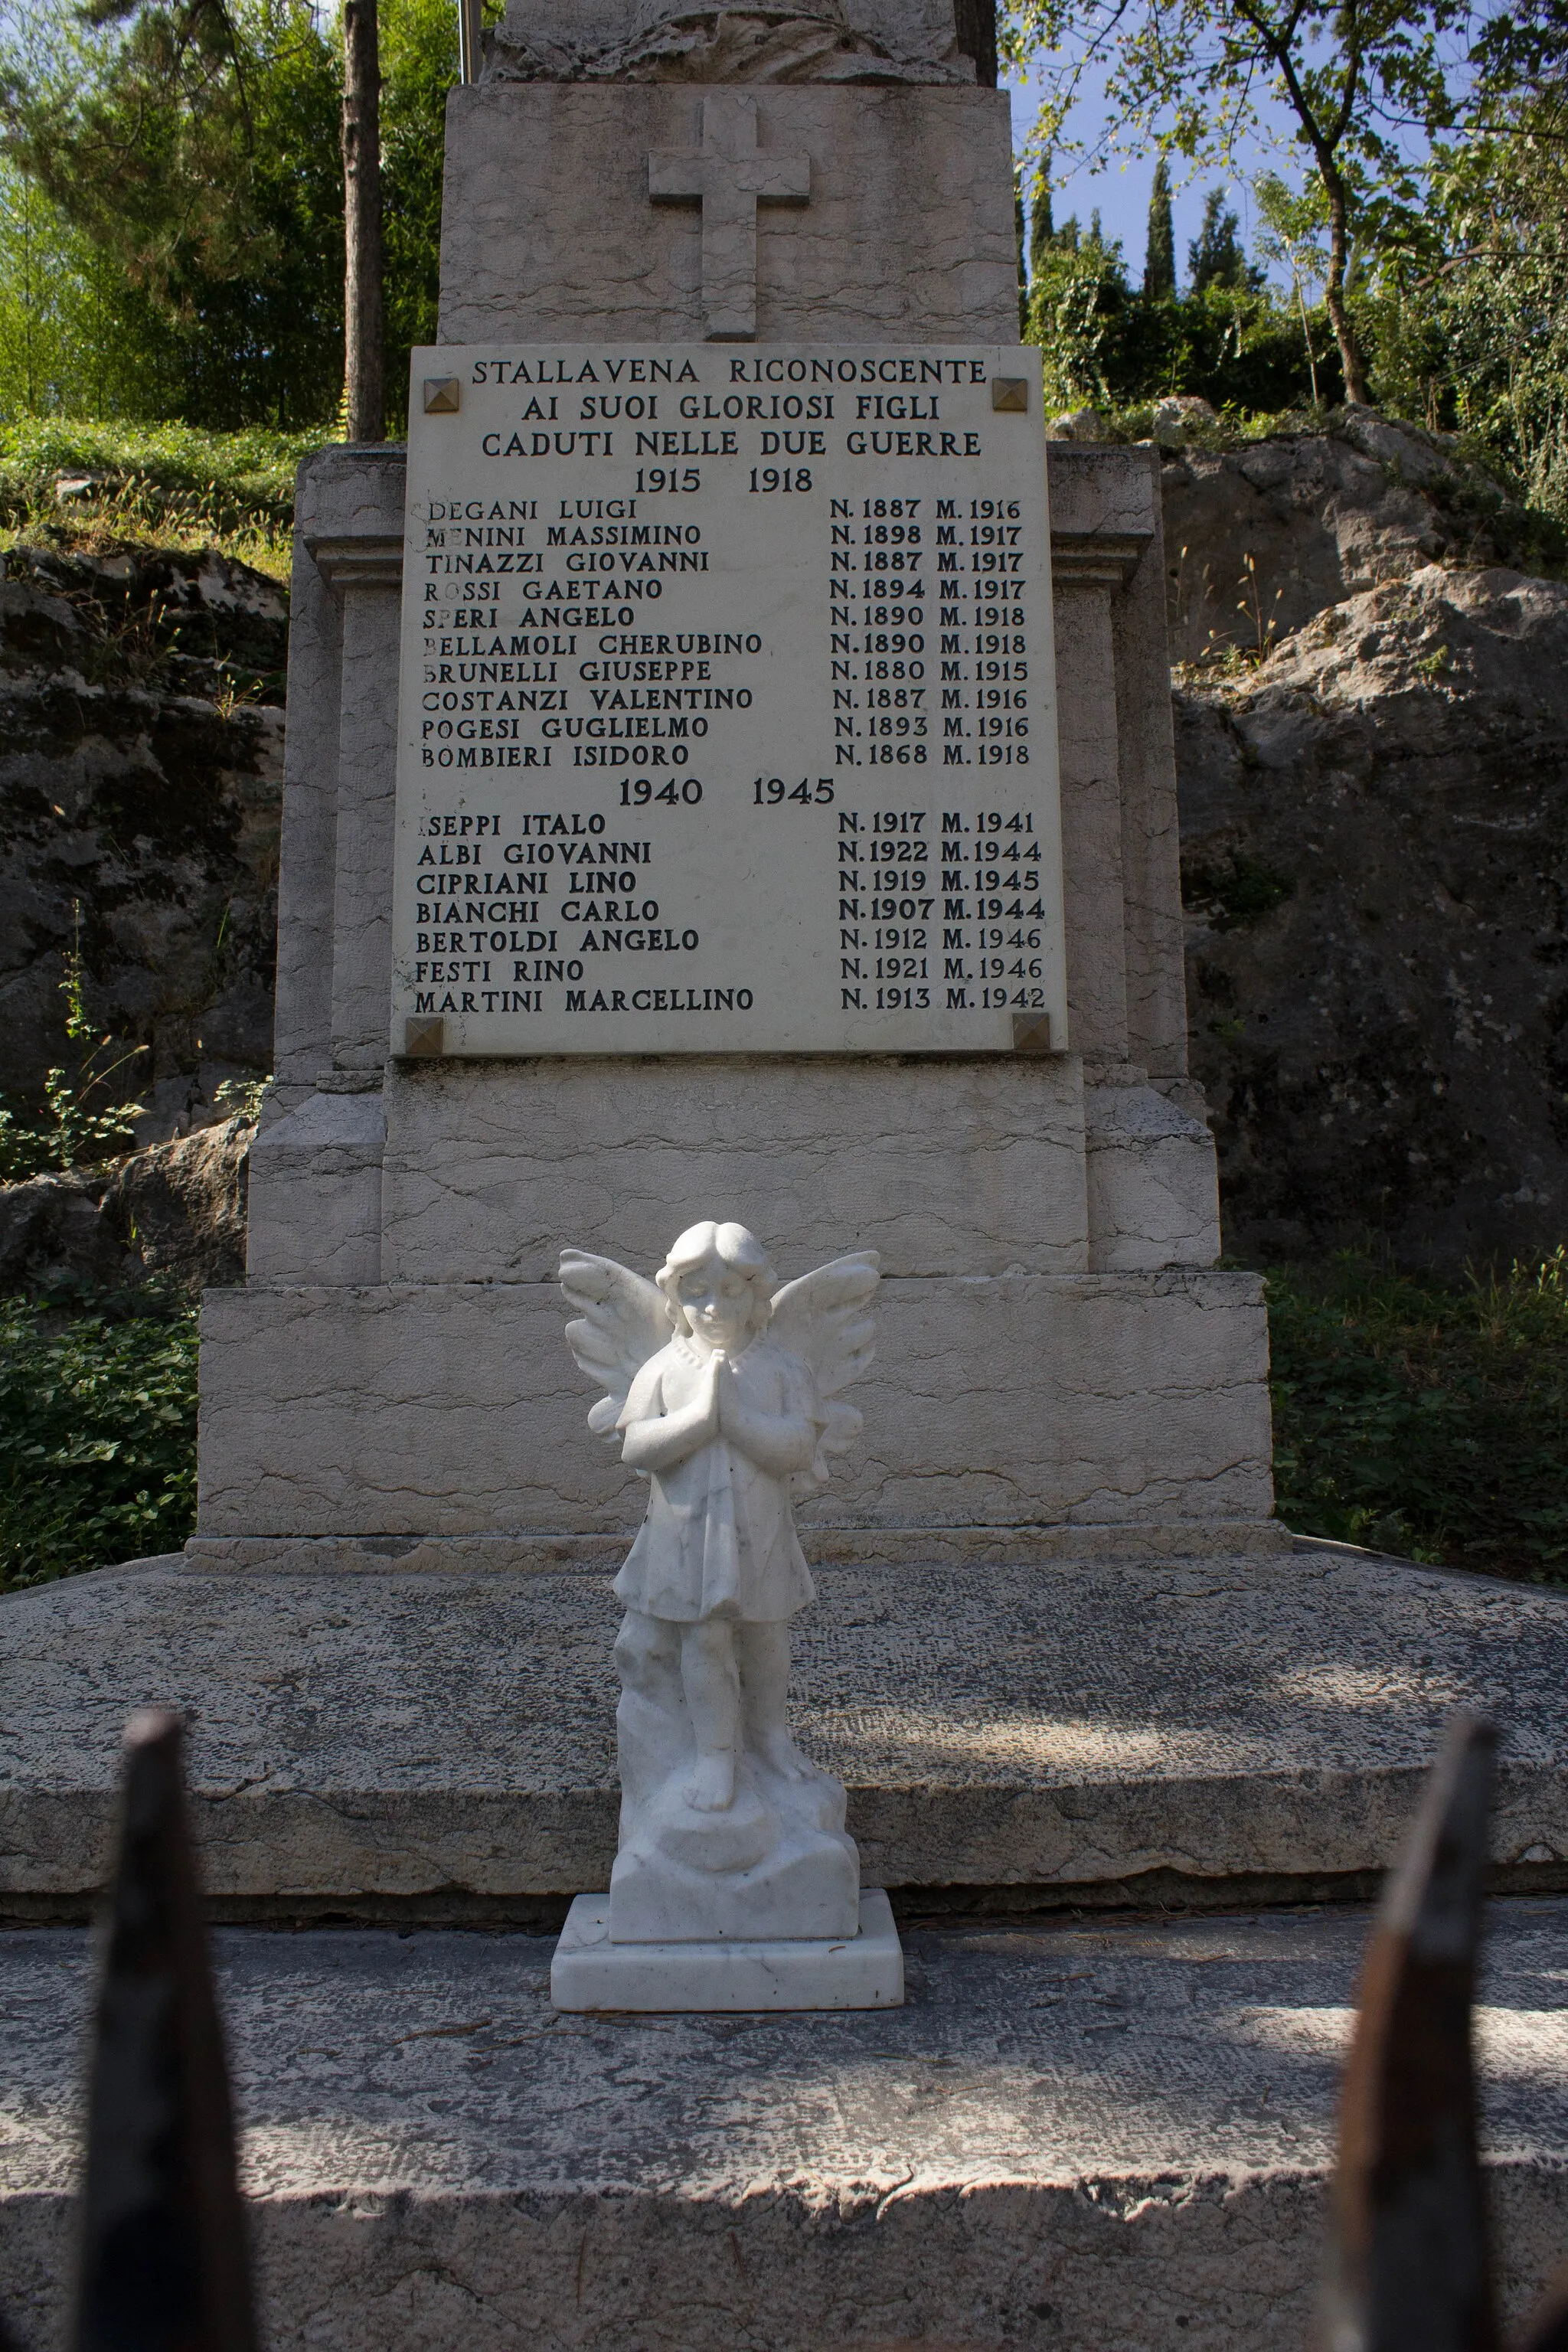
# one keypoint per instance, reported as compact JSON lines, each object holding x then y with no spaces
{"x":721,"y":1392}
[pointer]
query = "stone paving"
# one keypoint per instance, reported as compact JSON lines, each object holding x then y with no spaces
{"x":1111,"y":2136}
{"x":1067,"y":1724}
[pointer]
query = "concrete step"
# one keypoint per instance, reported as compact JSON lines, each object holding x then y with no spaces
{"x":423,"y":1748}
{"x":1104,"y":2137}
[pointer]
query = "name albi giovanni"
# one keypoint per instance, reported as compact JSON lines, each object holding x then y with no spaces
{"x":727,"y":716}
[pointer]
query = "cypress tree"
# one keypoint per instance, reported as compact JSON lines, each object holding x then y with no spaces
{"x":1216,"y":256}
{"x":1042,"y":230}
{"x":1160,"y":260}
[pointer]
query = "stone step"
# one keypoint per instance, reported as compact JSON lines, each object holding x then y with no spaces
{"x":440,"y":1747}
{"x":1105,"y":2138}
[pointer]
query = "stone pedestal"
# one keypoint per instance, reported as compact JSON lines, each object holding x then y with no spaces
{"x":863,"y":1970}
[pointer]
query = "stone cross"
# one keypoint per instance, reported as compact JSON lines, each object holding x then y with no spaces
{"x":729,"y":178}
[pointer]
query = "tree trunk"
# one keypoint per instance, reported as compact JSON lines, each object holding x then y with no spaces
{"x":974,"y":26}
{"x":365,"y":365}
{"x":1334,"y":291}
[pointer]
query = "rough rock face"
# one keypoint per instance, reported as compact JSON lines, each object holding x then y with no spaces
{"x":1374,"y":829}
{"x":1257,"y":539}
{"x":139,"y":794}
{"x":176,"y":1209}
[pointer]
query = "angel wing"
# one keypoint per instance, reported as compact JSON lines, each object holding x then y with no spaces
{"x":826,"y":1318}
{"x":624,"y":1321}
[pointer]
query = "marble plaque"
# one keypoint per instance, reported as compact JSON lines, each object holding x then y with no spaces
{"x":727,"y":714}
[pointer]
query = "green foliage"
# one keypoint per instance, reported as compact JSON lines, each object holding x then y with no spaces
{"x":171,"y":206}
{"x":1241,"y":348}
{"x":96,"y":1432}
{"x":1194,"y":72}
{"x":242,"y":1098}
{"x":1042,"y":229}
{"x":1426,"y":1417}
{"x":1467,"y":319}
{"x":419,"y":65}
{"x":1159,"y":253}
{"x":1216,"y":256}
{"x":190,"y":148}
{"x":163,"y":486}
{"x":74,"y":1131}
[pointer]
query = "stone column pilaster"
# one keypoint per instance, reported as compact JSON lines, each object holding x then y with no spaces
{"x":1151,"y":1173}
{"x":316,"y":1168}
{"x":364,"y":573}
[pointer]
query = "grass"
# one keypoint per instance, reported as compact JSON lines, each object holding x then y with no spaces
{"x":98,"y":1423}
{"x":169,"y":486}
{"x":1411,"y":1414}
{"x":1423,"y":1416}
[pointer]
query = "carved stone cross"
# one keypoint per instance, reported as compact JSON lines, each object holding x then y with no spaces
{"x":729,"y":178}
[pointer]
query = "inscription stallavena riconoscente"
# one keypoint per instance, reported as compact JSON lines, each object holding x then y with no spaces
{"x":726,"y":717}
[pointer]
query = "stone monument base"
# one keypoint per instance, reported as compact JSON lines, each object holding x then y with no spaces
{"x":864,"y":1971}
{"x":1120,"y":1717}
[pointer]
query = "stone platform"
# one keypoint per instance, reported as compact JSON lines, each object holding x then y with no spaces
{"x":1095,"y":2139}
{"x":1168,"y":1725}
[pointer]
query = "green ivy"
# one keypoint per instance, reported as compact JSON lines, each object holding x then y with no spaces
{"x":1423,"y":1416}
{"x":98,"y":1414}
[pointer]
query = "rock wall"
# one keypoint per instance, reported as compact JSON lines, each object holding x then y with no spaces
{"x":1375,"y":825}
{"x":176,"y":1209}
{"x":1261,"y":538}
{"x":141,"y":765}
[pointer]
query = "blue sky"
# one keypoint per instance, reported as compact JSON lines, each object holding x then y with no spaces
{"x":1121,"y":190}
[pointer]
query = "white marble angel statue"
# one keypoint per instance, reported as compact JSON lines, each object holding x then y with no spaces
{"x":723,"y":1391}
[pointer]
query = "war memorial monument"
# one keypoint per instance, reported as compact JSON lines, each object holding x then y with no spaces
{"x":730,"y":904}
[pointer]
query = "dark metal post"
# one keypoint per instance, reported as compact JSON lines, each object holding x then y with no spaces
{"x":163,"y":2265}
{"x":1410,"y":2269}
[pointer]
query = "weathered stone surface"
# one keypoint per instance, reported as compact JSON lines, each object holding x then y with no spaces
{"x":180,"y":1207}
{"x":1374,"y":846}
{"x":316,"y":1192}
{"x":1323,"y":516}
{"x":1090,"y":2135}
{"x":824,"y":1157}
{"x":132,"y":792}
{"x":759,"y":41}
{"x":51,"y":1226}
{"x":1074,"y":1723}
{"x":548,"y":234}
{"x":1153,"y":1199}
{"x":409,"y":1409}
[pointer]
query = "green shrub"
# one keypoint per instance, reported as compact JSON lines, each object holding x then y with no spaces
{"x":171,"y":486}
{"x":1423,"y":1416}
{"x":74,"y":1132}
{"x":98,"y":1414}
